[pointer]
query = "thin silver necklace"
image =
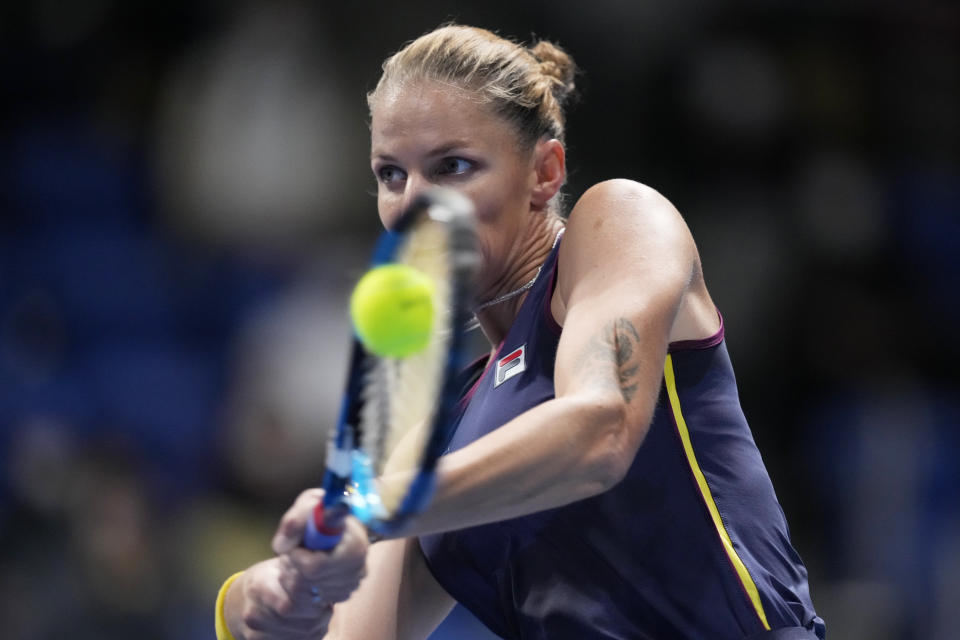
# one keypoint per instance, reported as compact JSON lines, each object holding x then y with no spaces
{"x":513,"y":294}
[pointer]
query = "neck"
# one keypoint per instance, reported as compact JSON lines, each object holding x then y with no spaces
{"x":533,"y":248}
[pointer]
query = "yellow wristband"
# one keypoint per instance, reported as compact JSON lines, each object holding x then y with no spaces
{"x":220,"y":622}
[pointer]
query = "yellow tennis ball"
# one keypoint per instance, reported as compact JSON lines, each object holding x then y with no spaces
{"x":392,"y":310}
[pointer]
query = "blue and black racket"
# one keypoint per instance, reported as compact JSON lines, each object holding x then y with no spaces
{"x":397,"y":413}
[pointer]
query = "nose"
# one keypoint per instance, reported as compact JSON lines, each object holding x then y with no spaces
{"x":414,"y":185}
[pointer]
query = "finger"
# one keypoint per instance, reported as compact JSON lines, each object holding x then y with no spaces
{"x":329,"y":592}
{"x":322,"y":621}
{"x":328,"y":586}
{"x":271,"y":625}
{"x":294,"y":521}
{"x":260,"y":609}
{"x":348,"y":557}
{"x":299,"y":589}
{"x":335,"y":594}
{"x":303,"y":594}
{"x":317,"y":567}
{"x":273,"y":610}
{"x":355,"y":541}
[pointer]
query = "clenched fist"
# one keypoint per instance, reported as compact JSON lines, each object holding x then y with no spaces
{"x":291,"y":596}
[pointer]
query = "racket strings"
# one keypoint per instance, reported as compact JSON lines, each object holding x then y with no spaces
{"x":400,"y":394}
{"x":375,"y":413}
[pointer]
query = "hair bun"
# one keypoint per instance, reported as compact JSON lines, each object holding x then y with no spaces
{"x":556,"y":64}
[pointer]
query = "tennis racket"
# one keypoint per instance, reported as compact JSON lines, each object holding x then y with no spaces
{"x":400,"y":411}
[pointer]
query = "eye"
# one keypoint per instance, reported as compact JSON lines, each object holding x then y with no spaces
{"x":454,"y":166}
{"x":390,"y":174}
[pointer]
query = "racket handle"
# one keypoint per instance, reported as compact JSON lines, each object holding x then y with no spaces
{"x":325,"y":527}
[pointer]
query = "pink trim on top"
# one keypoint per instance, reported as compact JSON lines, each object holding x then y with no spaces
{"x":465,"y":399}
{"x":701,"y":343}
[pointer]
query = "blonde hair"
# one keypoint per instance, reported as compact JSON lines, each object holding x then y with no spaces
{"x":526,"y":86}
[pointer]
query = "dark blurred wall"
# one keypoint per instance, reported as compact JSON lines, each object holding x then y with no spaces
{"x":185,"y":201}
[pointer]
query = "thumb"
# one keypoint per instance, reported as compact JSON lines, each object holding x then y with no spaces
{"x":288,"y":537}
{"x":294,"y":522}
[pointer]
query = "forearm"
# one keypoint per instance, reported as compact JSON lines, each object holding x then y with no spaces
{"x":559,"y":452}
{"x":399,"y":599}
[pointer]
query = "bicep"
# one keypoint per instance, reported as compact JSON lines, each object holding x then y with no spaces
{"x":626,"y":262}
{"x":398,"y":600}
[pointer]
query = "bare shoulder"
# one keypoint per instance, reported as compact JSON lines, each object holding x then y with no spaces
{"x":624,"y":201}
{"x":620,"y":188}
{"x":621,"y":225}
{"x":622,"y":233}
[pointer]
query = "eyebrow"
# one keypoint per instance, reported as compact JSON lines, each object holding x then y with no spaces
{"x":444,"y":148}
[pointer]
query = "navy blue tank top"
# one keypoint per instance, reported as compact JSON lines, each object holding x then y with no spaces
{"x":691,"y":544}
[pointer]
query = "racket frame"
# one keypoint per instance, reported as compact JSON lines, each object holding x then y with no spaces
{"x":324,"y":529}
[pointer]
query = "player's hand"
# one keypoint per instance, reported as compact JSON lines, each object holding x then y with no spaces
{"x":291,"y":596}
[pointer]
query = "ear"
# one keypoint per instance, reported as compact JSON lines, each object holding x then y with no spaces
{"x":550,"y":171}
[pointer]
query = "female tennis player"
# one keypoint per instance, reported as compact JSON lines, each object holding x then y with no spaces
{"x":602,"y":481}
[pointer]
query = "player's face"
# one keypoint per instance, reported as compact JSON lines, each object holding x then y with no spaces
{"x":430,"y":134}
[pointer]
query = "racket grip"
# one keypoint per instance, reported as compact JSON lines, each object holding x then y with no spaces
{"x":325,"y":527}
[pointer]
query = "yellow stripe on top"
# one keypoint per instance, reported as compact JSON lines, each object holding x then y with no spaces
{"x":741,"y":569}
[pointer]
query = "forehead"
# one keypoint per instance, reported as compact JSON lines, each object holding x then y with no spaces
{"x":427,"y":114}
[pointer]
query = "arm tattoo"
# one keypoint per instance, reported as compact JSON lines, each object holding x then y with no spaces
{"x":611,"y":360}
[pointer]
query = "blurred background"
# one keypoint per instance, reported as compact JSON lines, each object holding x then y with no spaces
{"x":185,"y":201}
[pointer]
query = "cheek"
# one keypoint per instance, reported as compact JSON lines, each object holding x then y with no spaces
{"x":493,"y":241}
{"x":487,"y":272}
{"x":499,"y":209}
{"x":494,"y":201}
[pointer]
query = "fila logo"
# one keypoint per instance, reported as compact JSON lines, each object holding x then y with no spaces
{"x":510,"y":365}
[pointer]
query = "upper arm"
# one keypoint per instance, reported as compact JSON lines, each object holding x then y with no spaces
{"x":626,"y":261}
{"x":398,"y":600}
